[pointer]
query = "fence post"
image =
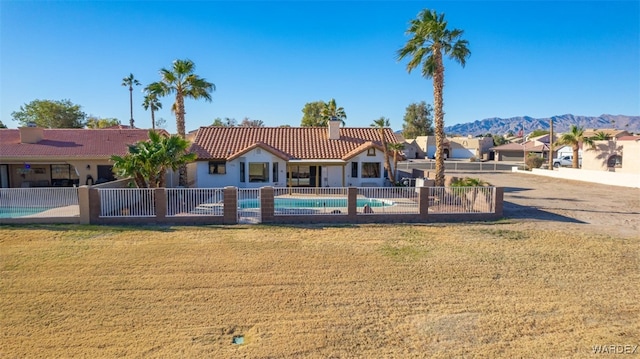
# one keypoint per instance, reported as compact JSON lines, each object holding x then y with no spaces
{"x":267,"y":204}
{"x":423,"y":202}
{"x":84,"y":205}
{"x":230,"y":214}
{"x":161,"y":204}
{"x":352,"y":202}
{"x":499,"y":201}
{"x":94,"y":205}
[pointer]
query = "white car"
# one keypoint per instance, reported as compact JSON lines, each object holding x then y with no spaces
{"x":565,"y":161}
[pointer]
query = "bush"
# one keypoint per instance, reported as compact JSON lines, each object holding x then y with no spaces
{"x":534,"y":161}
{"x":473,"y":159}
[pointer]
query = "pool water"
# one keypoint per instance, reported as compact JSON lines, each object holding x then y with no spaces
{"x":313,"y":202}
{"x":14,"y":212}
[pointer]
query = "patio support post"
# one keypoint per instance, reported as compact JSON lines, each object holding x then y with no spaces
{"x":230,"y":214}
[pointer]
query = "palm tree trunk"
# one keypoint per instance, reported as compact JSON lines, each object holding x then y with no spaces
{"x":438,"y":85}
{"x":182,"y":170}
{"x":131,"y":105}
{"x":576,"y":149}
{"x":153,"y":119}
{"x":387,"y":164}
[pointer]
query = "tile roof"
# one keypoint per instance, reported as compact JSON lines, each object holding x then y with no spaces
{"x":291,"y":143}
{"x":529,"y":146}
{"x":70,"y":143}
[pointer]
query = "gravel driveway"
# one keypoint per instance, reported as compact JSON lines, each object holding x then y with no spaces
{"x":562,"y":204}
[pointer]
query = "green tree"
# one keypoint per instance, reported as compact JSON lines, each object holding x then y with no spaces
{"x":331,"y":111}
{"x":499,"y":140}
{"x":396,"y":148}
{"x":539,"y":132}
{"x":227,"y":122}
{"x":161,"y":123}
{"x":50,"y":114}
{"x":381,"y":124}
{"x":148,"y":161}
{"x":600,"y":136}
{"x":151,"y":102}
{"x":130,"y":81}
{"x":247,"y":122}
{"x":573,"y":138}
{"x":2,"y":125}
{"x":418,"y":120}
{"x":312,"y":114}
{"x":96,"y":122}
{"x":430,"y":40}
{"x":184,"y":83}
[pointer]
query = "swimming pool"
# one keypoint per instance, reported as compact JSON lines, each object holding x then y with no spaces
{"x":314,"y":202}
{"x":15,"y":212}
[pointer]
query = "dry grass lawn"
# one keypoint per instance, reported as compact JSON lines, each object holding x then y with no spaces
{"x":383,"y":291}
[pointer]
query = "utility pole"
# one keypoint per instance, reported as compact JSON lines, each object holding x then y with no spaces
{"x":551,"y":144}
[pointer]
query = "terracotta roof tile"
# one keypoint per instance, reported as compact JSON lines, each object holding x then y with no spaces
{"x":292,"y":142}
{"x":74,"y":143}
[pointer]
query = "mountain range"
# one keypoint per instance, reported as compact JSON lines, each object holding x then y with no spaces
{"x":501,"y":126}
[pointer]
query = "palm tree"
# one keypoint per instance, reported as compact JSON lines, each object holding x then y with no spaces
{"x":601,"y":136}
{"x":148,"y":161}
{"x":573,"y":138}
{"x":330,"y":111}
{"x":182,"y":81}
{"x":381,"y":124}
{"x":396,"y":148}
{"x":430,"y":40}
{"x":151,"y":102}
{"x":130,"y":81}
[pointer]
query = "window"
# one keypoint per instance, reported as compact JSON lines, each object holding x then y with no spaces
{"x":371,"y":170}
{"x":217,"y":167}
{"x":354,"y":169}
{"x":371,"y":152}
{"x":258,"y":171}
{"x":242,"y":172}
{"x":275,"y":172}
{"x":63,"y":176}
{"x":300,"y":175}
{"x":614,"y":161}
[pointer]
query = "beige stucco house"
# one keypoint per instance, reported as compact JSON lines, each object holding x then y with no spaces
{"x":619,"y":155}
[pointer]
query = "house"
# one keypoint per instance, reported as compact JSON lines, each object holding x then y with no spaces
{"x":468,"y":147}
{"x":252,"y":157}
{"x":38,"y":157}
{"x":427,"y":145}
{"x":619,"y":155}
{"x":517,"y":152}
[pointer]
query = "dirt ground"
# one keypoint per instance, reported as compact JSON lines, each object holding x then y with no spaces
{"x":565,"y":204}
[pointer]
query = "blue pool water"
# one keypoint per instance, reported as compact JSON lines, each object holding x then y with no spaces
{"x":14,"y":212}
{"x":313,"y":202}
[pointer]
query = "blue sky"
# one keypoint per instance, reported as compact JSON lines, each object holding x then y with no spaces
{"x":268,"y":58}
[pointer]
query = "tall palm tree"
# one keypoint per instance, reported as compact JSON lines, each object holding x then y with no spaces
{"x":130,"y":81}
{"x":430,"y":40}
{"x":182,"y":81}
{"x":573,"y":138}
{"x":381,"y":124}
{"x":151,"y":102}
{"x":396,"y":148}
{"x":330,"y":111}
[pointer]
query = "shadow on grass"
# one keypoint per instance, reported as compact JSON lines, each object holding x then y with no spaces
{"x":90,"y":227}
{"x":515,"y":211}
{"x":515,"y":189}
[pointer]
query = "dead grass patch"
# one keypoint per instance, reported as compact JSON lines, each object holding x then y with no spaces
{"x":495,"y":290}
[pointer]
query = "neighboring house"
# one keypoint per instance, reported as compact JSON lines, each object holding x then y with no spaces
{"x":427,"y":144}
{"x":517,"y":152}
{"x":252,"y":157}
{"x":620,"y":155}
{"x":37,"y":157}
{"x":467,"y":147}
{"x":611,"y":132}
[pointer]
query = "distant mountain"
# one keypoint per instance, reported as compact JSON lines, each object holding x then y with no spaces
{"x":501,"y":126}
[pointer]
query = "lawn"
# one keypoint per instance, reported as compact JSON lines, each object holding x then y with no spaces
{"x":486,"y":290}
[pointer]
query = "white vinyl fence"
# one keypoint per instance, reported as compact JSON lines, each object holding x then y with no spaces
{"x":39,"y":202}
{"x":388,"y":200}
{"x":310,"y":201}
{"x":195,"y":201}
{"x":127,"y":202}
{"x":462,"y":199}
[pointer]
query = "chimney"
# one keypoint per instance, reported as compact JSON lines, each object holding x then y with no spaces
{"x":31,"y":134}
{"x":334,"y":129}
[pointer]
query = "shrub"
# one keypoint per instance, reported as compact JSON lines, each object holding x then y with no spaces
{"x":534,"y":161}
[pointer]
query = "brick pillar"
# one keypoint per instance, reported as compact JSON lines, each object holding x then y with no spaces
{"x":94,"y":205}
{"x":267,"y":204}
{"x":230,"y":215}
{"x":499,"y":202}
{"x":423,"y":202}
{"x":352,"y":202}
{"x":161,"y":204}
